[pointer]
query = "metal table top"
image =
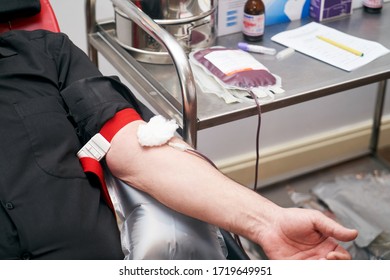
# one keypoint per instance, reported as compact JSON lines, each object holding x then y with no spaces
{"x":303,"y":78}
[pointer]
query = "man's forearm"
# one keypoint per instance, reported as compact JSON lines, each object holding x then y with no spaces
{"x":188,"y":184}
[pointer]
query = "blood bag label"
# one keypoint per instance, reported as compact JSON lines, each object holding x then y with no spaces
{"x":234,"y":61}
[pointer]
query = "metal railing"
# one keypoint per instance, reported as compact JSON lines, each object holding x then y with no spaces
{"x":176,"y":52}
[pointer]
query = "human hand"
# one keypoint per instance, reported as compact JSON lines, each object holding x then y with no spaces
{"x":305,"y":234}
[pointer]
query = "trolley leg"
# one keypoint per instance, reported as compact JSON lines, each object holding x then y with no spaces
{"x":380,"y":100}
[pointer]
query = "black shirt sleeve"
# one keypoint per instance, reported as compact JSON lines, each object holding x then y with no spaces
{"x":93,"y":101}
{"x":91,"y":98}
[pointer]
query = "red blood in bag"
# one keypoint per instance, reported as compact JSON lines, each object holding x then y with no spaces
{"x":243,"y":79}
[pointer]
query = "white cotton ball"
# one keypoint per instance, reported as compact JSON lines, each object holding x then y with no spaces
{"x":156,"y":132}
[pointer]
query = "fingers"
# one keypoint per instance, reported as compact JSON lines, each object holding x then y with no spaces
{"x":338,"y":254}
{"x":334,"y":230}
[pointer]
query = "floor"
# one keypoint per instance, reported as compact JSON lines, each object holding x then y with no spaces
{"x":385,"y":153}
{"x":280,"y":193}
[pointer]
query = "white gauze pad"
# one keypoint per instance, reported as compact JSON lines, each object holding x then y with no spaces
{"x":156,"y":132}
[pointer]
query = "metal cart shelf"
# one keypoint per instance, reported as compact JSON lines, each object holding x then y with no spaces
{"x":171,"y":90}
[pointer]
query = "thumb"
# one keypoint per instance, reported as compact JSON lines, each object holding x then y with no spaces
{"x":331,"y":228}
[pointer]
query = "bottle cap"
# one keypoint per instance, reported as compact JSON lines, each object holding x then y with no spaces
{"x":243,"y":46}
{"x":285,"y":53}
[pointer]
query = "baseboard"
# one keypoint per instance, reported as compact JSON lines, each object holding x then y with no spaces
{"x":299,"y":157}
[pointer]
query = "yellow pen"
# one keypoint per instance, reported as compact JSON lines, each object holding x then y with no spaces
{"x":341,"y":46}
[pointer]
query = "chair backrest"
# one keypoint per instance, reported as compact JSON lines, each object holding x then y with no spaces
{"x":46,"y":19}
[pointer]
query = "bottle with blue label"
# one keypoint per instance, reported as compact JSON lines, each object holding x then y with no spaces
{"x":253,"y":20}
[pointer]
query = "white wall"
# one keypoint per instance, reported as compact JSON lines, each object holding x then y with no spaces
{"x":330,"y":113}
{"x":336,"y":112}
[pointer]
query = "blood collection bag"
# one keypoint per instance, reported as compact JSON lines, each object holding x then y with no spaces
{"x":237,"y":73}
{"x":235,"y":68}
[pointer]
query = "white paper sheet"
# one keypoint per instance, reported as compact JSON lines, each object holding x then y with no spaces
{"x":304,"y":39}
